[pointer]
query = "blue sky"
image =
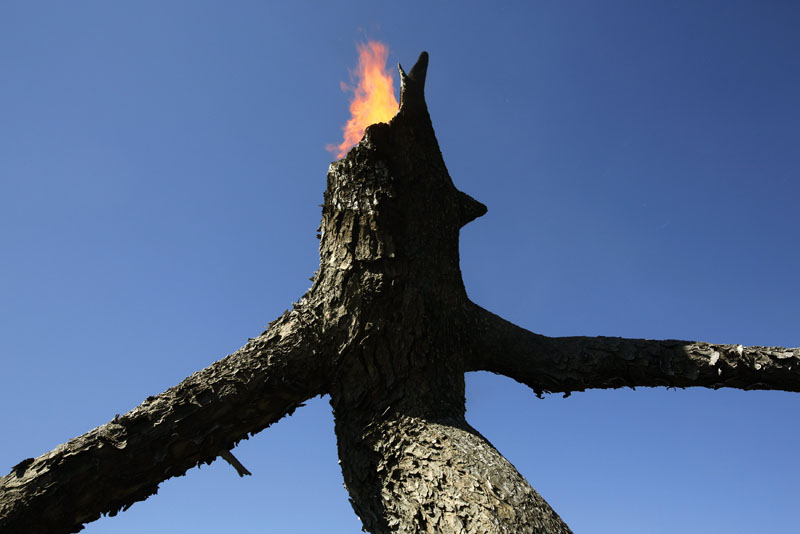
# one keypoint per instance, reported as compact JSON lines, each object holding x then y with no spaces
{"x":161,"y":170}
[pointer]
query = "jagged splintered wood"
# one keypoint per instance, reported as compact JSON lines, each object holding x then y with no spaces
{"x":388,"y":332}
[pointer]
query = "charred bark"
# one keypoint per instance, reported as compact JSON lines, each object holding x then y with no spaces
{"x":410,"y":461}
{"x":388,"y":331}
{"x":113,"y":466}
{"x":567,"y":364}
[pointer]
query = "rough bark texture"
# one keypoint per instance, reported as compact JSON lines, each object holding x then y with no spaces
{"x":414,"y":474}
{"x":390,"y":229}
{"x":388,"y":331}
{"x":111,"y":467}
{"x":566,"y":364}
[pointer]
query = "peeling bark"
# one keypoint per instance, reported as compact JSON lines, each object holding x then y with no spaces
{"x":113,"y":466}
{"x":388,"y":331}
{"x":390,"y":227}
{"x":409,"y":474}
{"x":566,"y":364}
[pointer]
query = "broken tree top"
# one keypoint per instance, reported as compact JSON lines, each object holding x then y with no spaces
{"x":386,"y":330}
{"x":394,"y":192}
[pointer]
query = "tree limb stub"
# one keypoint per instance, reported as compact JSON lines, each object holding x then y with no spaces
{"x":111,"y":467}
{"x":567,"y":364}
{"x":234,"y":462}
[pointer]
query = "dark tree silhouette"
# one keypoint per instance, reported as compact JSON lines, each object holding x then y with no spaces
{"x":388,"y":331}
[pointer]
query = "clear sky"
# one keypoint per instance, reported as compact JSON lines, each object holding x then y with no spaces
{"x":161,"y":170}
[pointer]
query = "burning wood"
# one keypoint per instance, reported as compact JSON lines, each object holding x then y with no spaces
{"x":373,"y":95}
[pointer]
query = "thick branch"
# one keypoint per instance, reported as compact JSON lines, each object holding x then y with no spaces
{"x":111,"y":467}
{"x":565,"y":364}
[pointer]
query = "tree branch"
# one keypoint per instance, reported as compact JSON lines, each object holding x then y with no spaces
{"x":111,"y":467}
{"x":566,"y":364}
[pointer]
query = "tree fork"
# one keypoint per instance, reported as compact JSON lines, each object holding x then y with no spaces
{"x":388,"y":331}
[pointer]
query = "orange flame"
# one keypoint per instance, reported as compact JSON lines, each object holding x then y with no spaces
{"x":373,"y":97}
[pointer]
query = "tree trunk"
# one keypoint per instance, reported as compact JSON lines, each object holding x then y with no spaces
{"x":425,"y":474}
{"x":390,"y":226}
{"x":388,"y":331}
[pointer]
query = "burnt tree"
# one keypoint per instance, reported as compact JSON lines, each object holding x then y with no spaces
{"x":388,"y":331}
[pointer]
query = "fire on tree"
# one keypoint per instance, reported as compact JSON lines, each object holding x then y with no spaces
{"x":386,"y":330}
